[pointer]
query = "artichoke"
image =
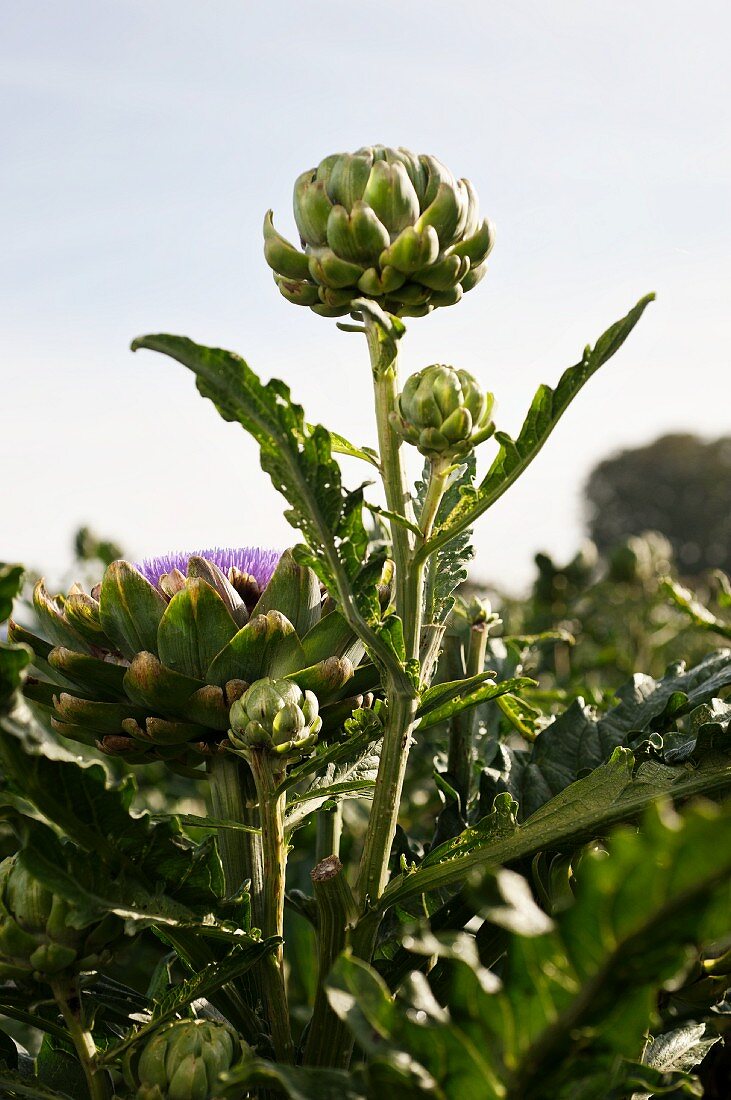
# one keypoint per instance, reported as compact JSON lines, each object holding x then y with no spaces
{"x":148,"y":664}
{"x":384,"y":224}
{"x":275,"y":715}
{"x":443,"y":412}
{"x":37,"y":939}
{"x":184,"y":1060}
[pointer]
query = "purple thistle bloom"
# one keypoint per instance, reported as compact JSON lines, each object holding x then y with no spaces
{"x":258,"y":562}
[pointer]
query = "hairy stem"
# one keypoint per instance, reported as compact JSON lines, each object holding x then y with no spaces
{"x":268,"y":774}
{"x":329,"y":1041}
{"x":68,"y":999}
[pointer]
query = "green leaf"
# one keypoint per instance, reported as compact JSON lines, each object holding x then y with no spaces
{"x":57,"y":1067}
{"x":578,"y":740}
{"x":447,"y":570}
{"x":11,"y":579}
{"x":16,"y":1086}
{"x":612,"y":793}
{"x":698,"y":614}
{"x":342,"y":446}
{"x":297,"y":457}
{"x":203,"y":985}
{"x":363,"y":729}
{"x":449,"y":699}
{"x":515,"y":455}
{"x":294,"y":1082}
{"x":355,"y":779}
{"x":195,"y":627}
{"x":569,"y":1017}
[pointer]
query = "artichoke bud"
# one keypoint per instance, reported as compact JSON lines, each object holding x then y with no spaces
{"x":368,"y":218}
{"x":443,"y":412}
{"x":276,"y":715}
{"x":184,"y":1060}
{"x":37,"y":939}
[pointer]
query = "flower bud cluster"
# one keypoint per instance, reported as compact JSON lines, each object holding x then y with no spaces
{"x":184,"y":1060}
{"x":443,"y":412}
{"x":276,"y":715}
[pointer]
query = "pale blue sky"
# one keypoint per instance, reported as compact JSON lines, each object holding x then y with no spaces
{"x":144,"y":139}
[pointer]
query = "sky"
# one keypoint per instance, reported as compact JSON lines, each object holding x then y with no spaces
{"x":142,"y":142}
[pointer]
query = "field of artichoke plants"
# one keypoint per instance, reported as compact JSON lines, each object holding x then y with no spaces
{"x":322,"y":824}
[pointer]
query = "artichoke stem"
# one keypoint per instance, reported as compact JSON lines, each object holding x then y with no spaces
{"x":68,"y":998}
{"x":329,"y":1040}
{"x":329,"y":832}
{"x":269,"y":772}
{"x":436,"y":488}
{"x":384,"y":365}
{"x":462,"y":727}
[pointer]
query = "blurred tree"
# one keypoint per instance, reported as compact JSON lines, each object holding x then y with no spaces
{"x":679,"y":485}
{"x":89,"y":547}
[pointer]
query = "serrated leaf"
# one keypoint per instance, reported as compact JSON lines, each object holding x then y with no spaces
{"x":515,"y":455}
{"x":579,"y":740}
{"x":612,"y":793}
{"x":576,"y":1000}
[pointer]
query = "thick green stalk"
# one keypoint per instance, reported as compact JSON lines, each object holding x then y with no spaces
{"x":329,"y":832}
{"x":268,"y":773}
{"x":381,"y":830}
{"x":329,"y":1040}
{"x":232,"y":797}
{"x":402,"y":696}
{"x":462,"y":727}
{"x":384,"y":365}
{"x":68,"y":999}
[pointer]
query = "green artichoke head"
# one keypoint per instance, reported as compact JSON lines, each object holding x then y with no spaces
{"x":275,"y":715}
{"x":184,"y":1060}
{"x":443,"y":412}
{"x":148,"y":664}
{"x":384,"y":224}
{"x":37,"y":939}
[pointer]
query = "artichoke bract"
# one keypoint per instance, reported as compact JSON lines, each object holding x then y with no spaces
{"x":443,"y":412}
{"x":184,"y":1060}
{"x":148,"y":664}
{"x":384,"y":224}
{"x":37,"y":940}
{"x":275,"y":715}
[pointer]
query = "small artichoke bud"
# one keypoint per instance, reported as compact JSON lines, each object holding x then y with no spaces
{"x":184,"y":1060}
{"x":37,"y":939}
{"x":275,"y":715}
{"x":368,"y":221}
{"x":443,"y":412}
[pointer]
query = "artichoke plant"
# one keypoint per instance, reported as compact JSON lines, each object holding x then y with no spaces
{"x":384,"y":224}
{"x":443,"y":412}
{"x":275,"y":715}
{"x":37,"y":938}
{"x":148,"y":664}
{"x":184,"y":1060}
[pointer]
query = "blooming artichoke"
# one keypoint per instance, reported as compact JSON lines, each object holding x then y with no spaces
{"x":276,"y":715}
{"x":184,"y":1060}
{"x":384,"y":224}
{"x":37,"y":938}
{"x":148,"y":665}
{"x":443,"y":412}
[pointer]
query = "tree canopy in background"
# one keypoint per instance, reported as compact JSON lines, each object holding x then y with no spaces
{"x":679,"y":485}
